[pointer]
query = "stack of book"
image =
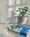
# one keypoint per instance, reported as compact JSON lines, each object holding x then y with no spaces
{"x":19,"y":29}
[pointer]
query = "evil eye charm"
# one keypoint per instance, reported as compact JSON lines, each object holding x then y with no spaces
{"x":21,"y":19}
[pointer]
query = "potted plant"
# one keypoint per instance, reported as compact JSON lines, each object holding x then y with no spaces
{"x":21,"y":14}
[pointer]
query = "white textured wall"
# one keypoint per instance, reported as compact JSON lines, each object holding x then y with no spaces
{"x":3,"y":11}
{"x":28,"y":13}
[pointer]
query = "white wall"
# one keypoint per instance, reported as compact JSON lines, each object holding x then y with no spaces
{"x":4,"y":11}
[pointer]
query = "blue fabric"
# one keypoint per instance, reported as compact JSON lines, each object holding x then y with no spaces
{"x":24,"y":31}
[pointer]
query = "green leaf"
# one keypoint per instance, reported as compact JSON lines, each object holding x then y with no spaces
{"x":17,"y":11}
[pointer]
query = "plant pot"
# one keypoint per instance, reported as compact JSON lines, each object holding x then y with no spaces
{"x":22,"y":20}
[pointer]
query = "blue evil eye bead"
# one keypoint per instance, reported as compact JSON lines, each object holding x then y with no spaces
{"x":21,"y":19}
